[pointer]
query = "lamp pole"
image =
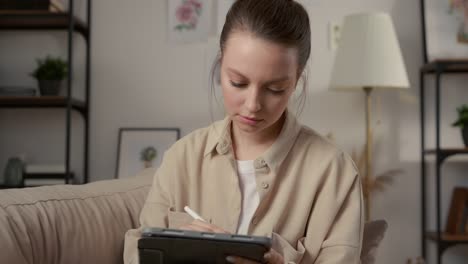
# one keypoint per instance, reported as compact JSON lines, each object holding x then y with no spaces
{"x":368,"y":173}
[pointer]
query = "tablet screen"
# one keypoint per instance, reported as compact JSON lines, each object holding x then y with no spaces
{"x":163,"y":245}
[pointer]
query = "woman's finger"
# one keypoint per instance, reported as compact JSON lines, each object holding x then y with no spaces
{"x":273,"y":256}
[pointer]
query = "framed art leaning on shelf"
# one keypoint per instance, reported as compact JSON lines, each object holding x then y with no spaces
{"x":140,"y":148}
{"x":457,"y":220}
{"x":446,"y":28}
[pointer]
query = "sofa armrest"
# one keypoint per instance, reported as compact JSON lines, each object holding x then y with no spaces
{"x":71,"y":223}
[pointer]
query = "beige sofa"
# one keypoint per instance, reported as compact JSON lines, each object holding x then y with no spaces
{"x":86,"y":223}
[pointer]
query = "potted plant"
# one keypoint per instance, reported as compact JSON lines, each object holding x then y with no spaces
{"x":49,"y":73}
{"x":147,"y":155}
{"x":462,"y":122}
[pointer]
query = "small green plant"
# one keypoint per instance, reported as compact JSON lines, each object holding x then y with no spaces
{"x":50,"y":68}
{"x":148,"y":154}
{"x":462,"y":120}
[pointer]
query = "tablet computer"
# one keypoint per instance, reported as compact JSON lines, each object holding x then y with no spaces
{"x":164,"y":245}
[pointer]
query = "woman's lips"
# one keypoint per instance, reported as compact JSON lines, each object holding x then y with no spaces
{"x":250,"y":120}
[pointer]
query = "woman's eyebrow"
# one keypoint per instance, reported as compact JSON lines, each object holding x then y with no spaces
{"x":280,"y":79}
{"x":236,"y":72}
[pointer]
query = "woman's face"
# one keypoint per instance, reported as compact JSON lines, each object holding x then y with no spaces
{"x":257,"y":78}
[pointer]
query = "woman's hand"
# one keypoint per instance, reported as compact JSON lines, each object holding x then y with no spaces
{"x":271,"y":257}
{"x":201,"y":226}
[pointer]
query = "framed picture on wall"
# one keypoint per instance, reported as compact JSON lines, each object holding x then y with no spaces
{"x":446,"y":24}
{"x":141,"y":148}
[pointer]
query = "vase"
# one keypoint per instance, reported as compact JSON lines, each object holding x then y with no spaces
{"x":49,"y":87}
{"x":13,"y":176}
{"x":465,"y":135}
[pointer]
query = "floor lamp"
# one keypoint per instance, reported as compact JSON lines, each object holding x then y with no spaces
{"x":368,"y":57}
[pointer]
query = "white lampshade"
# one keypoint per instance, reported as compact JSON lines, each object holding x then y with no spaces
{"x":368,"y":54}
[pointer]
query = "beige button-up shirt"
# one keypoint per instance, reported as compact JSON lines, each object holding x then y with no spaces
{"x":310,"y":193}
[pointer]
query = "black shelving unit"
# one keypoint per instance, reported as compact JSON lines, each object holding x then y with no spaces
{"x":63,"y":21}
{"x":436,"y":68}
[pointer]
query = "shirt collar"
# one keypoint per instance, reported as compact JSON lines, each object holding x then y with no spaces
{"x":219,"y":136}
{"x":219,"y":140}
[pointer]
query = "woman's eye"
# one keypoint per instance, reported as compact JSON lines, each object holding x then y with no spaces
{"x":276,"y":91}
{"x":238,"y":85}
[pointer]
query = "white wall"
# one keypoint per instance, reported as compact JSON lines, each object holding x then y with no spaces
{"x":139,"y":79}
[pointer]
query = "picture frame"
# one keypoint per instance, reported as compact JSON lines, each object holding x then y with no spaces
{"x":443,"y":27}
{"x":140,"y":148}
{"x":457,"y":221}
{"x":190,"y":21}
{"x":465,"y":219}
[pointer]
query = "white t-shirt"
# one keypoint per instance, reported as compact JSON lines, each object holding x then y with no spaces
{"x":250,"y":197}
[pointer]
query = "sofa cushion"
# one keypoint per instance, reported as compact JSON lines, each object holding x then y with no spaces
{"x":71,"y":223}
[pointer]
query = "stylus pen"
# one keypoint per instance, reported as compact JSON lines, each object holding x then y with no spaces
{"x":193,"y":214}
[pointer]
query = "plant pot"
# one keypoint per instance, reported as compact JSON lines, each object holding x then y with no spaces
{"x":50,"y":87}
{"x":465,"y":135}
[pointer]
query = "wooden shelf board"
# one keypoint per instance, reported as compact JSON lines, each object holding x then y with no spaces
{"x":40,"y":101}
{"x":445,"y":237}
{"x":448,"y":151}
{"x":39,"y":20}
{"x":451,"y":159}
{"x":447,"y":66}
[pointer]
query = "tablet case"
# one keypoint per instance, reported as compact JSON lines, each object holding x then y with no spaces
{"x":164,"y":245}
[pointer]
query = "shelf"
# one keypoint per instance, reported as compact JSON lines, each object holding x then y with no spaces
{"x":446,"y":66}
{"x":446,"y":152}
{"x":35,"y":180}
{"x":40,"y":102}
{"x":448,"y":238}
{"x":39,"y":20}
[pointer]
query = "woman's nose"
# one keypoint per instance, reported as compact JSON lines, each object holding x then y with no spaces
{"x":252,"y":101}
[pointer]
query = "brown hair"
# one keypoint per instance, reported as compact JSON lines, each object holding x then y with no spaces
{"x":284,"y":22}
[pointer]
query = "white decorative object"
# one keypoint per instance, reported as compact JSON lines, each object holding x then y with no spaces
{"x":189,"y":20}
{"x":369,"y":54}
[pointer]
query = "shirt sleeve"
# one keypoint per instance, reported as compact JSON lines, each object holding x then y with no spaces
{"x":153,"y":213}
{"x":344,"y":241}
{"x":338,"y":209}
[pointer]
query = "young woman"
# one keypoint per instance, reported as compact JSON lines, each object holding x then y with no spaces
{"x":258,"y":171}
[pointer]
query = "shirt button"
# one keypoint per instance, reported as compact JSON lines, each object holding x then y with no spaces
{"x":259,"y":163}
{"x":265,"y":185}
